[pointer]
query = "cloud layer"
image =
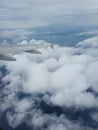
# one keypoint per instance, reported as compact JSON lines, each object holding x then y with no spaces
{"x":34,"y":13}
{"x":63,"y":77}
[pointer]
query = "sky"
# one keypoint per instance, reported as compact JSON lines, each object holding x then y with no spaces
{"x":36,"y":13}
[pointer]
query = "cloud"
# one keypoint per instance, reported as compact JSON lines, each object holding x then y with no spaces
{"x":92,"y":71}
{"x":91,"y":42}
{"x":58,"y":77}
{"x":93,"y":32}
{"x":14,"y":36}
{"x":18,"y":14}
{"x":14,"y":33}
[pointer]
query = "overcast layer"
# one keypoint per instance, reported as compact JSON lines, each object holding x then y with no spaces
{"x":34,"y":13}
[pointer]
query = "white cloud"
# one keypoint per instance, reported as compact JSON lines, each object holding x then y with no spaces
{"x":95,"y":116}
{"x":93,"y":32}
{"x":91,"y":42}
{"x":92,"y":75}
{"x":60,"y":75}
{"x":15,"y":119}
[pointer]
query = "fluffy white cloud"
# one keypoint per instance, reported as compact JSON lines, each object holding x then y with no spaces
{"x":91,"y":42}
{"x":92,"y":75}
{"x":60,"y":74}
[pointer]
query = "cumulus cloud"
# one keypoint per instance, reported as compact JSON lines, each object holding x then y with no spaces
{"x":91,"y":42}
{"x":59,"y":77}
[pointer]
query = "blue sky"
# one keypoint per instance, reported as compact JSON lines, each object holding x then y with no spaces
{"x":36,"y":13}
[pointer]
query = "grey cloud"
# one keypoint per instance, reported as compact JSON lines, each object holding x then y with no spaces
{"x":41,"y":13}
{"x":14,"y":33}
{"x":15,"y":36}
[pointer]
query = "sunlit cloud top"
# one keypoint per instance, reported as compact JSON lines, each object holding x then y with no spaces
{"x":35,"y":13}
